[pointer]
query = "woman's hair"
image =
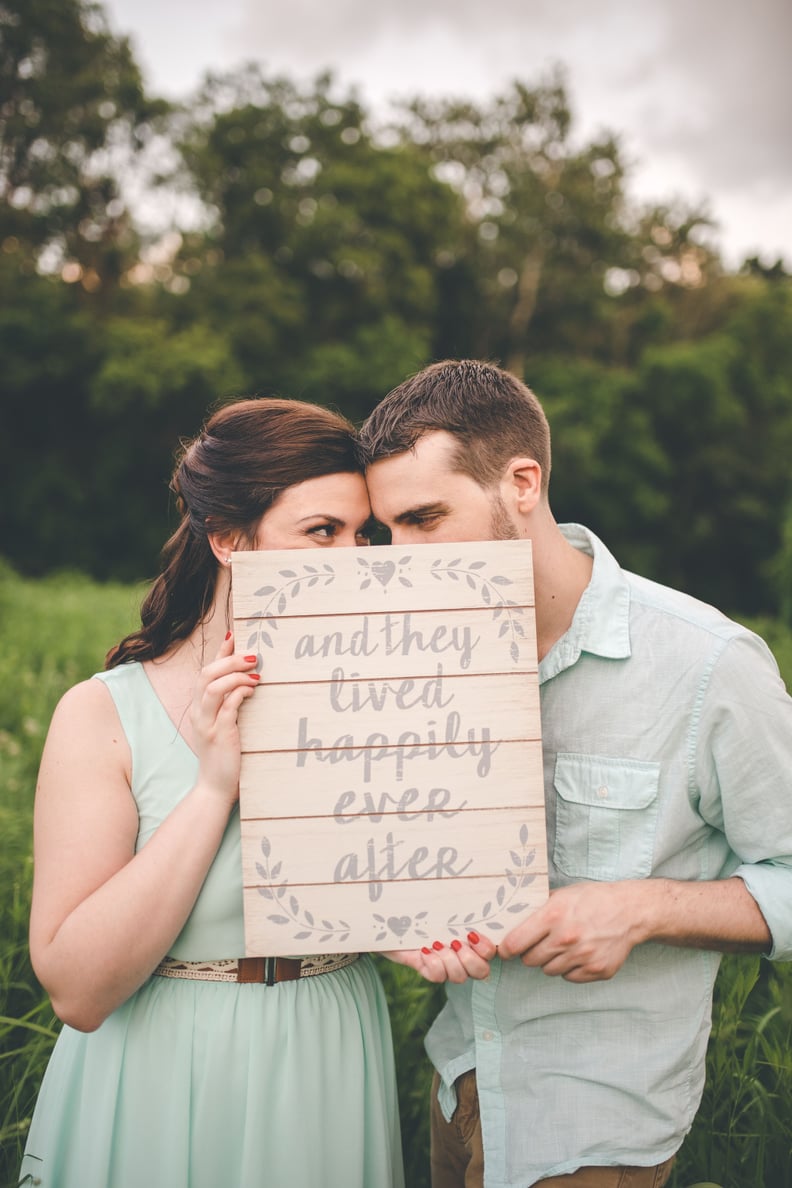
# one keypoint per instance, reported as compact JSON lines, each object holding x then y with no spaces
{"x":224,"y":482}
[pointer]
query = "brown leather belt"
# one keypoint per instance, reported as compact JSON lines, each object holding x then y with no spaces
{"x":263,"y":971}
{"x":268,"y":970}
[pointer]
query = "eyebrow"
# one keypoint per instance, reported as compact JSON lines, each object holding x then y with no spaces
{"x":368,"y":525}
{"x":321,"y":516}
{"x":421,"y":509}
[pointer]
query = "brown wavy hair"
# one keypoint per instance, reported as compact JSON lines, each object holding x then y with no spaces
{"x":492,"y":415}
{"x":225,"y":480}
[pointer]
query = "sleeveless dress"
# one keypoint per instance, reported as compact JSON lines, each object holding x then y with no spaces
{"x":212,"y":1084}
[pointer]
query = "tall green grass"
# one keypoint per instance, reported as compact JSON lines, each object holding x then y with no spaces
{"x":55,"y":632}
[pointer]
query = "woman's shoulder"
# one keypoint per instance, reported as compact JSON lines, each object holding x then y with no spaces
{"x":86,"y":722}
{"x":122,"y":675}
{"x":90,"y":700}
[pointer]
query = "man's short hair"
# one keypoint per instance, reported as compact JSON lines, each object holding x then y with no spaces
{"x":492,"y":416}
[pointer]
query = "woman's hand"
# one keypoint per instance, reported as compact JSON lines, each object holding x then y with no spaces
{"x":222,"y":686}
{"x":455,"y":962}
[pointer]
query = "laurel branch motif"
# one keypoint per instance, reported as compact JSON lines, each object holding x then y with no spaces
{"x":490,"y":595}
{"x":279,"y":596}
{"x":517,"y":877}
{"x":289,"y":906}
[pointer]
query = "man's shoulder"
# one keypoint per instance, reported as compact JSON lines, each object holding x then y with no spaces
{"x":676,"y":607}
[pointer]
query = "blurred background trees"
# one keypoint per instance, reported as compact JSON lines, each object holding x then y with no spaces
{"x":326,"y":254}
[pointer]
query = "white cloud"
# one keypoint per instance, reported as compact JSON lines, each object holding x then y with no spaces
{"x":699,"y":90}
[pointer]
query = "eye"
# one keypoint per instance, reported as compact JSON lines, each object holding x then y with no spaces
{"x":323,"y":531}
{"x":425,"y":519}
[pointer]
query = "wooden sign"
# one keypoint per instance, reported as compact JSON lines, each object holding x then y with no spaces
{"x":391,"y":791}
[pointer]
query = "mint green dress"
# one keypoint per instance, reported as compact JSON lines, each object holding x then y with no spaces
{"x":194,"y":1084}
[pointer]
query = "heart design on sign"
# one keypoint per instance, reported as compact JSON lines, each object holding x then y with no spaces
{"x":383,"y":571}
{"x":399,"y":924}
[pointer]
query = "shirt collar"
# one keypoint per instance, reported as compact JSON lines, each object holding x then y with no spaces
{"x":601,"y":623}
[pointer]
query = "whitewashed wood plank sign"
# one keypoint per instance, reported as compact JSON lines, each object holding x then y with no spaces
{"x":391,"y":791}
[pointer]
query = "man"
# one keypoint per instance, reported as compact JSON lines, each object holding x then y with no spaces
{"x":667,"y":740}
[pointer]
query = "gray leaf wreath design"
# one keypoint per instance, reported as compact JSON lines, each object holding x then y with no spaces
{"x":289,"y":910}
{"x":516,"y":877}
{"x":491,"y":595}
{"x":278,"y":598}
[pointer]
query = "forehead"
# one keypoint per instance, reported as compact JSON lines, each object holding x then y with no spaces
{"x":422,"y":475}
{"x":322,"y":495}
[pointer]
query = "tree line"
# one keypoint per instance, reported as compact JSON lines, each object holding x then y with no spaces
{"x":324,"y":251}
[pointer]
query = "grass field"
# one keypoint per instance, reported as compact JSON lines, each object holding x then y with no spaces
{"x":55,"y":632}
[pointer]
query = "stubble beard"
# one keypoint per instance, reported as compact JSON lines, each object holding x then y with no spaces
{"x":501,"y":525}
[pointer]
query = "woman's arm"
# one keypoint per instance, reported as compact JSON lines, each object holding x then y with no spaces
{"x":103,"y":916}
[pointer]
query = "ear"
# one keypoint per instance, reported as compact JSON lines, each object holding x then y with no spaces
{"x":222,"y":545}
{"x":521,"y":485}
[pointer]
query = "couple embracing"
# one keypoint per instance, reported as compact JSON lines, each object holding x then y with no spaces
{"x":574,"y":1054}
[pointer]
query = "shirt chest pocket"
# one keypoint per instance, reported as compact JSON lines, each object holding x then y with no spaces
{"x":606,"y":816}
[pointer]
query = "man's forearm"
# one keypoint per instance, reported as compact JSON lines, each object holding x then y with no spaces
{"x":720,"y":915}
{"x":586,"y":931}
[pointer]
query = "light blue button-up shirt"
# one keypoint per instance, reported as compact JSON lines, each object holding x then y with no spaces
{"x":667,"y":741}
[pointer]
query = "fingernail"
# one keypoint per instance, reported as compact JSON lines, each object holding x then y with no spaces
{"x":474,"y":938}
{"x":255,"y":676}
{"x":456,"y":945}
{"x":228,"y":635}
{"x":250,"y":659}
{"x":424,"y":949}
{"x":437,"y":946}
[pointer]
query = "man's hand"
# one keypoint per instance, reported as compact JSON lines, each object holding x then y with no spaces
{"x":584,"y":932}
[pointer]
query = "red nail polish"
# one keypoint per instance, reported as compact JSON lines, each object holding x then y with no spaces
{"x":437,"y":946}
{"x":228,"y":636}
{"x":250,"y":659}
{"x":474,"y":938}
{"x":456,"y":945}
{"x":425,"y":950}
{"x":255,"y":676}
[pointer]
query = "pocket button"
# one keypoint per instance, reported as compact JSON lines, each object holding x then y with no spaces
{"x":602,"y":792}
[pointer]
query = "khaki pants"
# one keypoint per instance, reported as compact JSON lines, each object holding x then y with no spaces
{"x":458,"y":1154}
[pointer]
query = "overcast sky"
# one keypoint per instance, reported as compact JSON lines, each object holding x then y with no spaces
{"x":698,"y":91}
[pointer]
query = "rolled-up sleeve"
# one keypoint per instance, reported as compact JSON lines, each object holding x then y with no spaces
{"x":742,"y":773}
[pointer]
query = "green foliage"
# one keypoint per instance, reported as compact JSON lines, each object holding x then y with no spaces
{"x":53,"y":633}
{"x":335,"y":256}
{"x":90,"y":418}
{"x":720,"y":410}
{"x":413,"y":1006}
{"x":326,"y":241}
{"x":609,"y":471}
{"x":742,"y":1135}
{"x":69,"y":90}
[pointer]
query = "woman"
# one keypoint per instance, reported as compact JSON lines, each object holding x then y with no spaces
{"x":172,"y":1069}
